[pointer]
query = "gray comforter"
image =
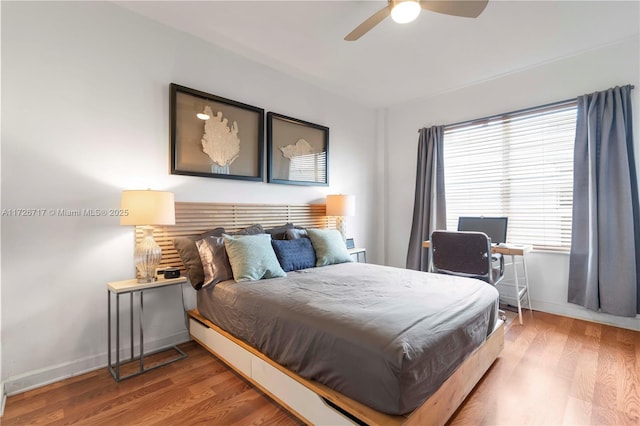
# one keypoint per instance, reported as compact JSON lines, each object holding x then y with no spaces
{"x":386,"y":337}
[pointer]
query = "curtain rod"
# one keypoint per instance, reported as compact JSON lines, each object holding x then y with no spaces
{"x":492,"y":117}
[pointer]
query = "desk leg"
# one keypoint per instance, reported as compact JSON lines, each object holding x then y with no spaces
{"x":515,"y":280}
{"x":526,"y":280}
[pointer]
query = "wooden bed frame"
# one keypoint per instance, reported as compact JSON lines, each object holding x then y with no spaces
{"x":308,"y":400}
{"x":312,"y":402}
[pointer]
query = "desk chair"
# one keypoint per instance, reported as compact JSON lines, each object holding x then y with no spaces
{"x":466,"y":254}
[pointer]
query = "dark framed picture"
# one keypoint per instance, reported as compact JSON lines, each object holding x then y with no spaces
{"x":297,"y":151}
{"x":215,"y":137}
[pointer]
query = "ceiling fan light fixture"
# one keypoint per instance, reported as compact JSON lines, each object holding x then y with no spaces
{"x":406,"y":11}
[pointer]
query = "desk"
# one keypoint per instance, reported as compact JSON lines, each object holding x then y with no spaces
{"x":133,"y":286}
{"x":512,"y":250}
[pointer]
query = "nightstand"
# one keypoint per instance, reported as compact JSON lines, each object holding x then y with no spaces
{"x":130,"y":287}
{"x":357,"y":251}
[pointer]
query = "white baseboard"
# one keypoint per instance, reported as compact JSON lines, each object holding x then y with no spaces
{"x":574,"y":311}
{"x":44,"y":376}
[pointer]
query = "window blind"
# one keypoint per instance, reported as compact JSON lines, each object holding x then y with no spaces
{"x":308,"y":167}
{"x":518,"y":165}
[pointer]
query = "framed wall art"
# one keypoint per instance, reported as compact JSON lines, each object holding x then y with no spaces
{"x":215,"y":137}
{"x":297,"y":151}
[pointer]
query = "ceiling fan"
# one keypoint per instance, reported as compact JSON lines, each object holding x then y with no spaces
{"x":403,"y":11}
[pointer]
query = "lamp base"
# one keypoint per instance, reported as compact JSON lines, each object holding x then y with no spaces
{"x":147,"y":256}
{"x":341,"y":225}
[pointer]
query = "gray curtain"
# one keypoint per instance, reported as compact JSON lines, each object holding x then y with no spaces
{"x":604,"y":266}
{"x":429,"y":211}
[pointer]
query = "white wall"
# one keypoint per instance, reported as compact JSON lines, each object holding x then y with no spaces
{"x":85,"y":113}
{"x":591,"y":71}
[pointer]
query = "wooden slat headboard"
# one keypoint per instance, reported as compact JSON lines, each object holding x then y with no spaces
{"x":196,"y":218}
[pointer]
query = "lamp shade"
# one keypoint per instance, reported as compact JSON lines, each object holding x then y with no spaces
{"x":341,"y":205}
{"x":147,"y":207}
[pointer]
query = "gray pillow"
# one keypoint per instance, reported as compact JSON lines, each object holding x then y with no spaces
{"x":186,"y":248}
{"x":279,"y":232}
{"x":329,"y":247}
{"x":214,"y":259}
{"x":252,"y":257}
{"x":295,"y":233}
{"x":249,"y":230}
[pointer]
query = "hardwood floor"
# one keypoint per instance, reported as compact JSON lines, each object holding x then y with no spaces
{"x":553,"y":370}
{"x":197,"y":390}
{"x":556,"y":370}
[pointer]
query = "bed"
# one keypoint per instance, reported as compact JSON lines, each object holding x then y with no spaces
{"x":354,"y":343}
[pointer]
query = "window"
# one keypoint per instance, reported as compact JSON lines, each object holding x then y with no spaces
{"x":518,"y":165}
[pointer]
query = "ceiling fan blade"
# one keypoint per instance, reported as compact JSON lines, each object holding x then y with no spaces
{"x":367,"y":25}
{"x":467,"y":9}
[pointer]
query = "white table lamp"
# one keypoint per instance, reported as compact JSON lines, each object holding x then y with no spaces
{"x":341,"y":206}
{"x":146,"y":208}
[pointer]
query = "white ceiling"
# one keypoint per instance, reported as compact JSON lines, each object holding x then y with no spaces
{"x":395,"y":63}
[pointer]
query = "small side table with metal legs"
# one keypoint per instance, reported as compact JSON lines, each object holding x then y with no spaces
{"x":118,"y":288}
{"x":357,"y":252}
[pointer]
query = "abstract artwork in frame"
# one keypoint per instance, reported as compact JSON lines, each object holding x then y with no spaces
{"x":215,"y":137}
{"x":297,"y":151}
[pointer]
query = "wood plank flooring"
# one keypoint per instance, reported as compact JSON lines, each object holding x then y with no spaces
{"x":197,"y":390}
{"x":556,"y":370}
{"x":553,"y":370}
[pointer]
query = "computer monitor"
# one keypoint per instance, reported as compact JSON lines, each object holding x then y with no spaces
{"x":494,"y":227}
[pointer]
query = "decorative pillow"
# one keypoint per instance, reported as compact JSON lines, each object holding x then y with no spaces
{"x":250,"y":230}
{"x":279,"y":232}
{"x":252,"y":257}
{"x":294,"y":254}
{"x":294,"y":233}
{"x":329,"y":247}
{"x":186,"y":248}
{"x":215,"y":262}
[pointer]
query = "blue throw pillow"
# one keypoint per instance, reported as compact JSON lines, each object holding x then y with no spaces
{"x":294,"y":254}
